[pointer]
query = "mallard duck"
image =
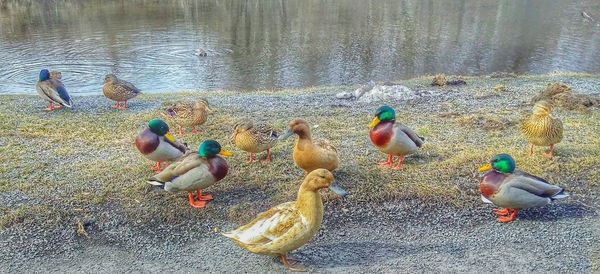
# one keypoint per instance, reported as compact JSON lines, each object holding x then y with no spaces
{"x":541,"y":129}
{"x":196,"y":170}
{"x":188,"y":114}
{"x":53,"y":91}
{"x":119,"y":90}
{"x":290,"y":225}
{"x":254,"y":138}
{"x":512,"y":189}
{"x":394,"y":139}
{"x":157,"y":144}
{"x":311,"y":154}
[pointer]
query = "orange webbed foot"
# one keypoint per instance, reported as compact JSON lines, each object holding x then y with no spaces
{"x":501,"y":211}
{"x":156,"y":168}
{"x":388,"y":162}
{"x":508,"y":218}
{"x":205,"y":197}
{"x":196,"y":203}
{"x":294,"y":267}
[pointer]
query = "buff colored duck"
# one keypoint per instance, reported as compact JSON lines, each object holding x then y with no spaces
{"x":119,"y":90}
{"x":254,"y":138}
{"x":290,"y":225}
{"x":157,"y":144}
{"x":53,"y":91}
{"x":392,"y":138}
{"x":541,"y":129}
{"x":311,"y":154}
{"x":188,"y":114}
{"x":512,"y":189}
{"x":196,"y":170}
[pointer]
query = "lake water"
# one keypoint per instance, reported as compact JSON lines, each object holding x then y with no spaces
{"x":277,"y":44}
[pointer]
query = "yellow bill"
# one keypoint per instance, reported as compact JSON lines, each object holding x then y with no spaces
{"x":169,"y":137}
{"x":225,"y":153}
{"x":375,"y":122}
{"x":485,"y":168}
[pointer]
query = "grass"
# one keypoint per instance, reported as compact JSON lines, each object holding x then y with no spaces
{"x":76,"y":164}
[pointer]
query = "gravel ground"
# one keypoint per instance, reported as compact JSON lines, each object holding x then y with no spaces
{"x":406,"y":234}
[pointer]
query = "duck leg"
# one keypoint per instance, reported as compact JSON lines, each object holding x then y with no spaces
{"x":399,"y":165}
{"x":287,"y":265}
{"x":201,"y":197}
{"x":501,"y":211}
{"x":181,"y":130}
{"x":156,"y":167}
{"x":195,"y":203}
{"x":530,"y":150}
{"x":550,"y":152}
{"x":268,"y":159}
{"x":509,"y":218}
{"x":251,"y":158}
{"x":195,"y":130}
{"x":118,"y":106}
{"x":50,"y":107}
{"x":389,"y":161}
{"x":125,"y":104}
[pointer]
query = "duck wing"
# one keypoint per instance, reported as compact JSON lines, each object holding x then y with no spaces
{"x":54,"y":90}
{"x":187,"y":162}
{"x":265,"y":133}
{"x":533,"y":184}
{"x":418,"y":140}
{"x":271,"y":229}
{"x":324,"y":144}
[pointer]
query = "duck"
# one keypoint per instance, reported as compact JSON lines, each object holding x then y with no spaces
{"x":188,"y":114}
{"x":393,"y":138}
{"x":254,"y":138}
{"x":119,"y":90}
{"x":290,"y":225}
{"x":53,"y":91}
{"x":311,"y":154}
{"x":511,"y":190}
{"x":542,"y":129}
{"x":157,"y":144}
{"x":55,"y":75}
{"x":195,"y":171}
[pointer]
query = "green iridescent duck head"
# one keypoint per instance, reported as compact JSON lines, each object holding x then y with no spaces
{"x":383,"y":114}
{"x":502,"y":163}
{"x":212,"y":148}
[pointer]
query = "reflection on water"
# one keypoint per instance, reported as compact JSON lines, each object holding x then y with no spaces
{"x":277,"y":43}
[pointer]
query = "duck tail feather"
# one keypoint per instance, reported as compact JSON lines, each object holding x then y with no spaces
{"x":562,"y":194}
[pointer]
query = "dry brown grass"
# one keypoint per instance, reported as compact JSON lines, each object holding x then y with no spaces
{"x":439,"y":80}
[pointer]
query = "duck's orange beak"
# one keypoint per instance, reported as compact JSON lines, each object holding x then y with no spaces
{"x":225,"y":153}
{"x":169,"y":137}
{"x":375,"y":122}
{"x":485,"y":168}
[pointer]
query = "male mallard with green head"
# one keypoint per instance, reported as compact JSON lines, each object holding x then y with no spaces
{"x":195,"y":171}
{"x":254,"y":138}
{"x":119,"y":90}
{"x":393,"y":138}
{"x":53,"y":90}
{"x":512,"y":189}
{"x":541,"y":129}
{"x":157,"y":144}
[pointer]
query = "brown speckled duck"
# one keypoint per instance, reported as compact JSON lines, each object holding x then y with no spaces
{"x":119,"y":90}
{"x":157,"y":144}
{"x":541,"y":129}
{"x":311,"y":154}
{"x":254,"y":138}
{"x":512,"y":189}
{"x":290,"y":225}
{"x":188,"y":114}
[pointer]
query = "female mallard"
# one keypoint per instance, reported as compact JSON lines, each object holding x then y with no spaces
{"x":393,"y":138}
{"x":290,"y":225}
{"x":157,"y":144}
{"x":196,"y":170}
{"x":53,"y":91}
{"x":188,"y":114}
{"x":541,"y":129}
{"x":119,"y":90}
{"x":254,"y":138}
{"x":512,"y":189}
{"x":311,"y":154}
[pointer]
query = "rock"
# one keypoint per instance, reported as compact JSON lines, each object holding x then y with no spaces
{"x":364,"y":88}
{"x":344,"y":95}
{"x":385,"y":93}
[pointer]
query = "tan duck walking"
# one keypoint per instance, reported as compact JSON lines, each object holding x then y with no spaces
{"x":254,"y":138}
{"x":119,"y":90}
{"x":188,"y":114}
{"x":290,"y":225}
{"x":541,"y":129}
{"x":311,"y":154}
{"x":512,"y":190}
